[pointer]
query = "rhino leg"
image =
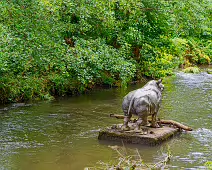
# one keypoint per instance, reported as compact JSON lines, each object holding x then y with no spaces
{"x":144,"y":120}
{"x":138,"y":123}
{"x":126,"y":120}
{"x":154,"y":121}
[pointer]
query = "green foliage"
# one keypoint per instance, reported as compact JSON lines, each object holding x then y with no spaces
{"x":191,"y":51}
{"x":94,"y":61}
{"x":66,"y":47}
{"x":208,"y":164}
{"x":156,"y":63}
{"x":19,"y":88}
{"x":192,"y":18}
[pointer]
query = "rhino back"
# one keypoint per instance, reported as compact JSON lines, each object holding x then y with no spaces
{"x":141,"y":105}
{"x":146,"y":97}
{"x":148,"y":101}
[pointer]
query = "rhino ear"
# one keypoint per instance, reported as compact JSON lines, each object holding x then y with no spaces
{"x":159,"y":81}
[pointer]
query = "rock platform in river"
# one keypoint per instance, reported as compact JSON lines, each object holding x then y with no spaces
{"x":146,"y":136}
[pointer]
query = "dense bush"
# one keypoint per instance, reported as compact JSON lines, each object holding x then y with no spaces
{"x":55,"y":47}
{"x":192,"y":52}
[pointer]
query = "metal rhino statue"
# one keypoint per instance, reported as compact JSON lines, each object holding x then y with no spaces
{"x":143,"y":102}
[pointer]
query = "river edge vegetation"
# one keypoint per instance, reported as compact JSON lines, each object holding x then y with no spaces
{"x":128,"y":160}
{"x":62,"y":47}
{"x":134,"y":161}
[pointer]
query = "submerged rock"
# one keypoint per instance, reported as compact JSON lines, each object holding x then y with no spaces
{"x":209,"y":71}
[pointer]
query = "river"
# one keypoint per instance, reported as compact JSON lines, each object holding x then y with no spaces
{"x":62,"y":134}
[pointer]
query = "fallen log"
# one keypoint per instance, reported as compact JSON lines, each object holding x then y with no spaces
{"x":170,"y":122}
{"x":117,"y":116}
{"x":177,"y":124}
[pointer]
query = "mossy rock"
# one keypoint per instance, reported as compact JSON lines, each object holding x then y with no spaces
{"x":191,"y":70}
{"x":209,"y":71}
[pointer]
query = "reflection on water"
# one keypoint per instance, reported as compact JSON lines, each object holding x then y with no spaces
{"x":63,"y":134}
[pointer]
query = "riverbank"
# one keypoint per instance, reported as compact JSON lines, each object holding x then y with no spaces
{"x":34,"y":88}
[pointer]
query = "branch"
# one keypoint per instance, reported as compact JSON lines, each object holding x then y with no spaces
{"x":177,"y":124}
{"x":170,"y":122}
{"x":117,"y":116}
{"x":149,"y":9}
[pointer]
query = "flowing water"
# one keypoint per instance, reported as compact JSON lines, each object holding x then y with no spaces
{"x":62,"y":135}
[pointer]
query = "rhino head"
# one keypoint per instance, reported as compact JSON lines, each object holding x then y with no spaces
{"x":160,"y":85}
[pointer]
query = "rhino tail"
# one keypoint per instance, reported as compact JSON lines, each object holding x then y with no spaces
{"x":130,"y":105}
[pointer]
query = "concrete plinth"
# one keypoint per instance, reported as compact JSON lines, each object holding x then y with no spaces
{"x":147,"y":135}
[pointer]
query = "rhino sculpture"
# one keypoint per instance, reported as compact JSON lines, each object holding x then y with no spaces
{"x":143,"y":102}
